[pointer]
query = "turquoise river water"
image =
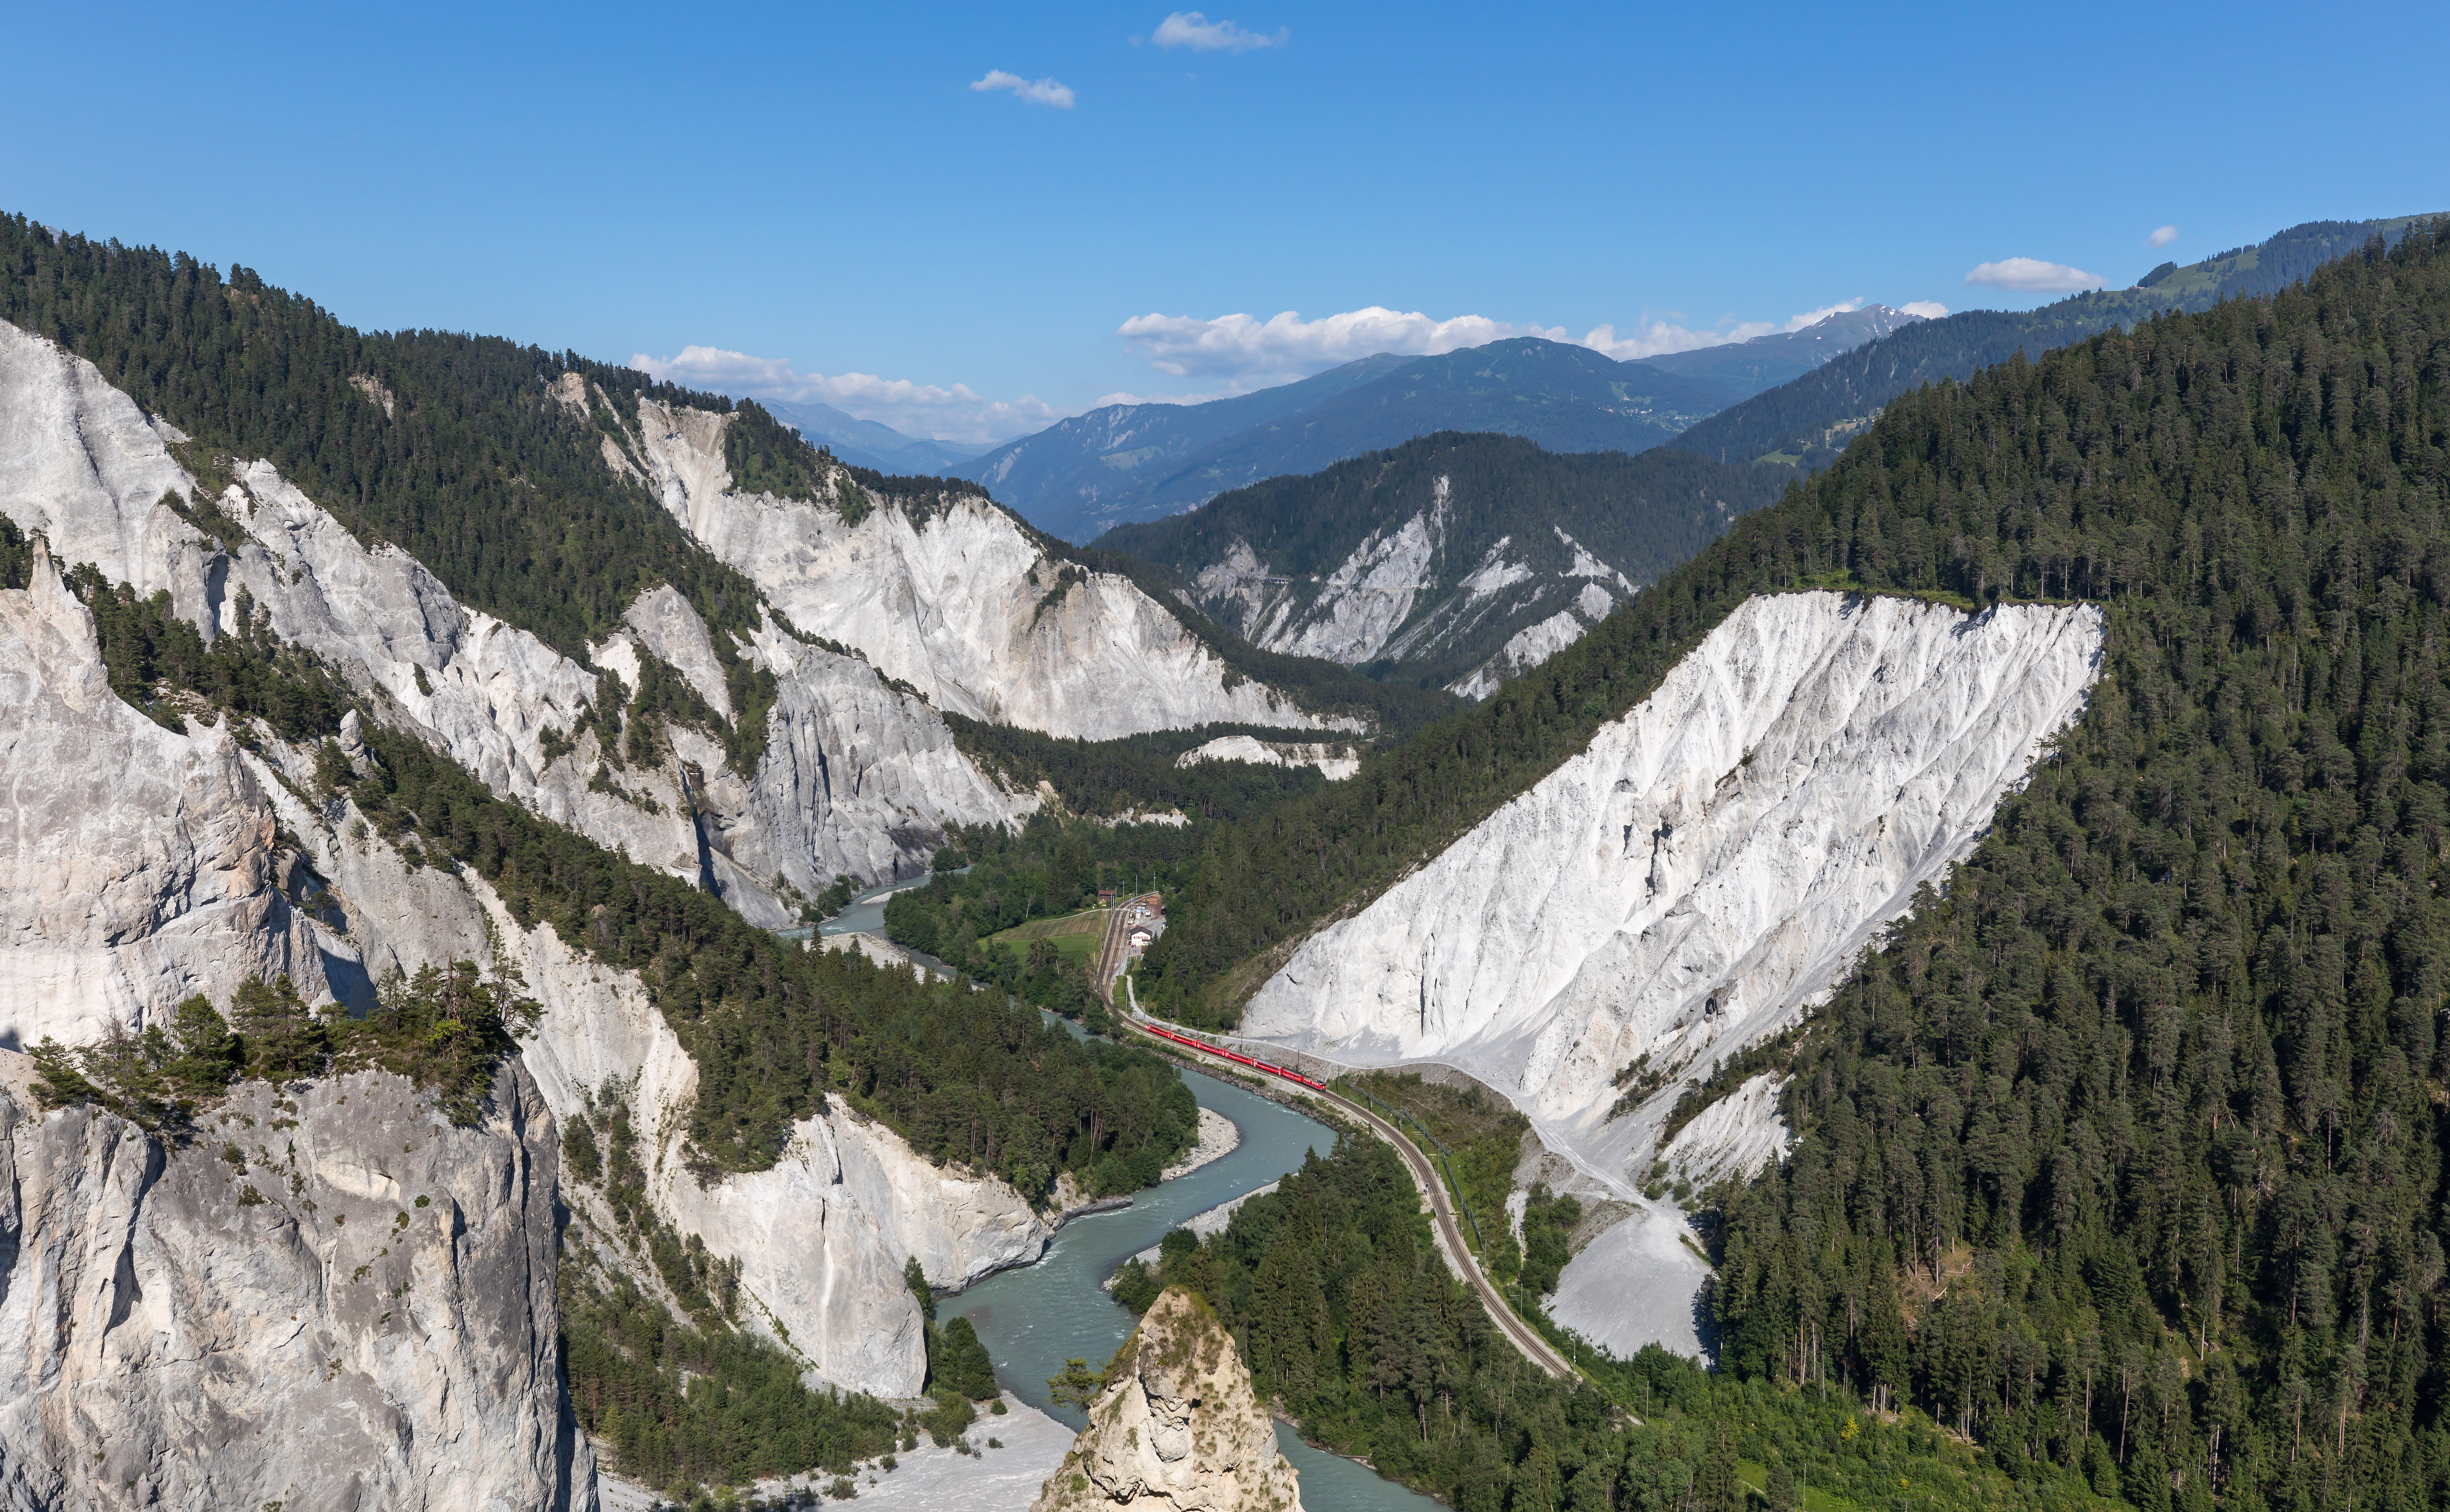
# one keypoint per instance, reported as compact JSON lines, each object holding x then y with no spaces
{"x":1034,"y":1318}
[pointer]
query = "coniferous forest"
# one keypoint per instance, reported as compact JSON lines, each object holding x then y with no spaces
{"x":2131,"y":1146}
{"x":2120,"y":1163}
{"x":2125,"y":1158}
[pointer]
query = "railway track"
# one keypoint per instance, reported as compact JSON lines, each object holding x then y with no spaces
{"x":1449,"y":1231}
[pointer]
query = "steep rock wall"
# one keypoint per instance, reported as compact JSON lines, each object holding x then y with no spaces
{"x":137,"y":864}
{"x":1703,"y":870}
{"x":957,"y":599}
{"x":823,"y":1235}
{"x":1335,"y":762}
{"x":821,"y":1238}
{"x":357,"y":1311}
{"x":1404,"y":595}
{"x":857,"y":778}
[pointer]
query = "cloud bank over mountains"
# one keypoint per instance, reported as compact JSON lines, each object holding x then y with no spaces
{"x":955,"y":413}
{"x":1237,"y":353}
{"x":1246,"y":351}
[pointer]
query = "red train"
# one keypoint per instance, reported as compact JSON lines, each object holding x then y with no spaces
{"x":1294,"y":1077}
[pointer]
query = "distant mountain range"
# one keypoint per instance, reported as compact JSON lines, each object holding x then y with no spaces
{"x":1143,"y":461}
{"x":1766,"y":362}
{"x":1452,"y":561}
{"x":865,"y":443}
{"x":1808,"y":420}
{"x":1129,"y":462}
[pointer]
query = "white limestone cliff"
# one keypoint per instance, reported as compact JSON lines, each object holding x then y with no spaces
{"x":953,"y":595}
{"x":138,"y":865}
{"x":857,"y":777}
{"x":352,"y":1304}
{"x":1334,"y":761}
{"x":1177,"y":1426}
{"x":1404,"y":593}
{"x":1700,"y":875}
{"x":822,"y":1235}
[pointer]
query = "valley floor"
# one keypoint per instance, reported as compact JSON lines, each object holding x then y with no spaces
{"x":993,"y":1480}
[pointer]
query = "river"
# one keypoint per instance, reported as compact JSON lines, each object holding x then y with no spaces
{"x":1034,"y":1318}
{"x":1031,"y":1320}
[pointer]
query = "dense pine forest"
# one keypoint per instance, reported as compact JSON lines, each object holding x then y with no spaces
{"x":1348,"y":1319}
{"x":2124,"y":1160}
{"x":992,"y":879}
{"x":2130,"y":1151}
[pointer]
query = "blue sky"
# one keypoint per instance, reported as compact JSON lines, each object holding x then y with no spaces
{"x":822,"y":192}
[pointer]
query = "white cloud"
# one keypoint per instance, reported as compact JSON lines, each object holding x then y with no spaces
{"x":1183,"y":345}
{"x":954,"y":413}
{"x":1189,"y":28}
{"x":1928,"y":309}
{"x":2163,"y":237}
{"x":1249,"y":352}
{"x":1659,"y":338}
{"x":2033,"y":276}
{"x":1037,"y":91}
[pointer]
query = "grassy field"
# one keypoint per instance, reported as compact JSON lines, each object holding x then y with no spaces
{"x":1756,"y":1478}
{"x":1075,"y":936}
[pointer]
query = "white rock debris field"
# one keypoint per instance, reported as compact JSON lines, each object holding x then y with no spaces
{"x":1693,"y":881}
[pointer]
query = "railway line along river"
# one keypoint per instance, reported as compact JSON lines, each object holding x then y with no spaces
{"x":1034,"y":1318}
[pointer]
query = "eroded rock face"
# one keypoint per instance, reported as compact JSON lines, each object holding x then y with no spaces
{"x":857,"y":777}
{"x":1176,"y":1427}
{"x":1410,"y":592}
{"x":137,"y":863}
{"x":1700,"y":873}
{"x":1334,"y":761}
{"x":822,"y":1235}
{"x":955,"y":598}
{"x":356,"y":1311}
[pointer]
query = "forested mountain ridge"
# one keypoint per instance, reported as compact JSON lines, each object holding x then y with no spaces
{"x":1563,"y":397}
{"x":448,"y":446}
{"x":471,"y":455}
{"x":1061,"y":476}
{"x":2126,"y":1153}
{"x":1566,"y":397}
{"x":2151,"y":1105}
{"x":1425,"y":561}
{"x":1811,"y":418}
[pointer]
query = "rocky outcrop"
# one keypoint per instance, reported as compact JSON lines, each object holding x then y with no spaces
{"x":951,"y":596}
{"x":1334,"y":761}
{"x":333,"y":1299}
{"x":139,"y":865}
{"x":1704,"y":868}
{"x":1528,"y":648}
{"x":1177,"y":1425}
{"x":1408,"y":594}
{"x":1700,"y":875}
